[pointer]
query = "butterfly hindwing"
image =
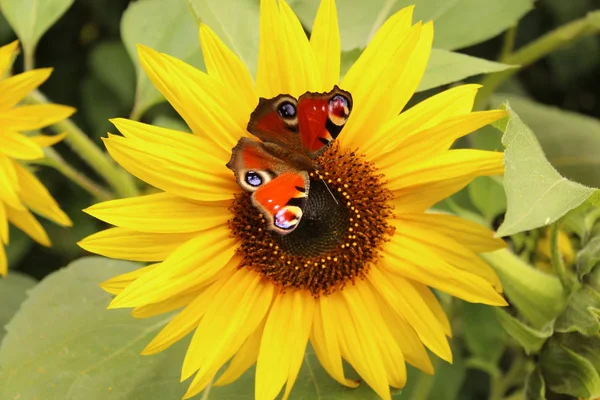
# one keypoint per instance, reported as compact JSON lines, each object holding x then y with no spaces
{"x":278,"y":190}
{"x":307,"y":125}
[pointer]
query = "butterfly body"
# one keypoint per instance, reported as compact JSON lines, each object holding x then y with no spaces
{"x":293,"y":134}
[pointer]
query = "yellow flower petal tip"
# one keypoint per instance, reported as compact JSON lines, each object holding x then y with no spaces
{"x":253,"y":296}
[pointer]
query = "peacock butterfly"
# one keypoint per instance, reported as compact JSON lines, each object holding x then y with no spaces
{"x":294,"y":132}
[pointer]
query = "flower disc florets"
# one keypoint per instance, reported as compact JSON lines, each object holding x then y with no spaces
{"x":339,"y":236}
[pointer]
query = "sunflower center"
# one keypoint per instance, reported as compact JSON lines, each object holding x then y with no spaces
{"x":339,"y":236}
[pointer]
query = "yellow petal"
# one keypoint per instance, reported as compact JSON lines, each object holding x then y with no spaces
{"x":411,"y":259}
{"x":165,"y":306}
{"x":245,"y":357}
{"x":224,"y":65}
{"x":193,"y":264}
{"x":449,"y":249}
{"x":31,"y":117}
{"x":9,"y":184}
{"x":127,"y":244}
{"x":26,"y":222}
{"x":7,"y":55}
{"x":196,"y":176}
{"x":412,"y":348}
{"x":286,"y":62}
{"x":378,"y":69}
{"x":325,"y":43}
{"x":16,"y":145}
{"x":46,"y":140}
{"x":474,"y":236}
{"x":434,"y":305}
{"x":426,"y":114}
{"x":407,"y":303}
{"x":283,"y":343}
{"x":160,"y":213}
{"x":461,"y":163}
{"x":206,"y":105}
{"x":326,"y":344}
{"x":438,"y":139}
{"x":186,"y":320}
{"x":417,"y":199}
{"x":117,"y":284}
{"x":15,"y":88}
{"x":4,"y":236}
{"x":235,"y":313}
{"x":365,"y":342}
{"x":3,"y":261}
{"x":35,"y":196}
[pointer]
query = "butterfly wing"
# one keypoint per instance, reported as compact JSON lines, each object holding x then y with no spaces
{"x":321,"y":117}
{"x":307,"y":125}
{"x":278,"y":190}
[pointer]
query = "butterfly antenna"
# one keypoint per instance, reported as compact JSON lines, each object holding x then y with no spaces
{"x":328,"y":189}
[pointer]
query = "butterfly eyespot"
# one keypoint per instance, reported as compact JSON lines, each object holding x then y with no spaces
{"x":339,"y":109}
{"x":255,"y":179}
{"x":287,"y":110}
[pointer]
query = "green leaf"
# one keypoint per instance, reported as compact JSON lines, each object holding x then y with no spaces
{"x":482,"y":332}
{"x":539,"y":297}
{"x":588,"y":257}
{"x":585,"y":346}
{"x":537,"y":194}
{"x":582,"y":312}
{"x":171,"y":30}
{"x":64,"y":341}
{"x":457,"y":23}
{"x":569,"y":140}
{"x":535,"y":387}
{"x":13,"y":290}
{"x":32,"y":18}
{"x":568,"y":372}
{"x":235,"y":22}
{"x":120,"y":77}
{"x":487,"y":194}
{"x":447,"y":66}
{"x":529,"y":338}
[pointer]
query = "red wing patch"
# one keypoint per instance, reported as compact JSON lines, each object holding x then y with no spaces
{"x":282,"y":201}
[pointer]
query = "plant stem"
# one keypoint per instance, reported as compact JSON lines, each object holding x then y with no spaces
{"x":28,"y":59}
{"x":509,"y":42}
{"x":525,"y":56}
{"x":515,"y":374}
{"x":54,"y":160}
{"x":119,"y":180}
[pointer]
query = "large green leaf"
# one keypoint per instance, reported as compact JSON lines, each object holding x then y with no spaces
{"x":169,"y":29}
{"x":447,"y":66}
{"x":120,"y":77}
{"x":64,"y":341}
{"x":536,"y":193}
{"x":457,"y":23}
{"x":32,"y":18}
{"x":13,"y":290}
{"x":235,"y":22}
{"x":571,"y":141}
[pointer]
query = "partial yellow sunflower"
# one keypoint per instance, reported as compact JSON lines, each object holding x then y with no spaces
{"x":354,"y":279}
{"x":20,"y":190}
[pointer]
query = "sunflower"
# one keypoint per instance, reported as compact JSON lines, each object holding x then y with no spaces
{"x":355,"y":278}
{"x":20,"y":190}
